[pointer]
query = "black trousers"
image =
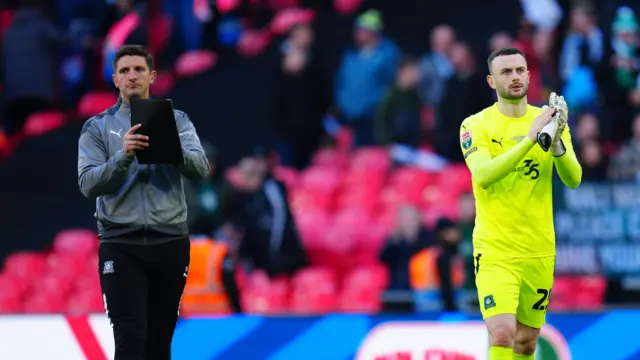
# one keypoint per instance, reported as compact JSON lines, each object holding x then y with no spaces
{"x":142,"y":287}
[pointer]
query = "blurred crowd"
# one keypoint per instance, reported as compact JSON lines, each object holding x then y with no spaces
{"x":410,"y":104}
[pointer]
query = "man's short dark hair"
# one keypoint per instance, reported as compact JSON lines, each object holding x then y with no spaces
{"x":133,"y":50}
{"x":504,"y":52}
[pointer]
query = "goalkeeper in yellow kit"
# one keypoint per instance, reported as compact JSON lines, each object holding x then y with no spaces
{"x":514,"y":239}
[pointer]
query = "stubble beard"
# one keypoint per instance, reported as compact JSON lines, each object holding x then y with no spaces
{"x":506,"y":94}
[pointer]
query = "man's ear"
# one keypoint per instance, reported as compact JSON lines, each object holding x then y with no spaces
{"x":491,"y":82}
{"x":115,"y":81}
{"x":152,"y":76}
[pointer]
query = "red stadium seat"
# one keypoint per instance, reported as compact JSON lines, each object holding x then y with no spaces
{"x":371,"y":243}
{"x":373,"y":276}
{"x":363,"y":178}
{"x":324,"y":180}
{"x":330,"y":156}
{"x":372,"y":158}
{"x":283,"y":4}
{"x":341,"y":240}
{"x":253,"y":42}
{"x":361,"y":300}
{"x":91,"y":263}
{"x":42,"y":304}
{"x":89,"y":282}
{"x":43,"y":122}
{"x":163,"y":84}
{"x":76,"y":242}
{"x":311,"y":225}
{"x":285,"y":19}
{"x":257,"y":279}
{"x":346,"y":6}
{"x":356,"y":219}
{"x":309,"y":276}
{"x":394,"y":196}
{"x":10,"y":305}
{"x":365,"y":197}
{"x":159,"y":38}
{"x":314,"y":292}
{"x":11,"y":288}
{"x":307,"y":200}
{"x":344,"y":138}
{"x":279,"y":295}
{"x":84,"y":302}
{"x":264,"y":296}
{"x":456,"y":178}
{"x":591,"y":292}
{"x":25,"y":264}
{"x":413,"y":178}
{"x":562,"y":293}
{"x":65,"y":263}
{"x":195,"y":62}
{"x":96,"y":102}
{"x":54,"y":284}
{"x":225,"y":6}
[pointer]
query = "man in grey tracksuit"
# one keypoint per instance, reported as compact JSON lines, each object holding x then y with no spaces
{"x":141,"y":213}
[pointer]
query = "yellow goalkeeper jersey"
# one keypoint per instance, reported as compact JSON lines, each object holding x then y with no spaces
{"x":511,"y":183}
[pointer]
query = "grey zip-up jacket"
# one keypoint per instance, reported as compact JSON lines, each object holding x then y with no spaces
{"x":141,"y":204}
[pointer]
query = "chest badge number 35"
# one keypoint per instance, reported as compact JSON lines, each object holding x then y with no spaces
{"x":529,"y":169}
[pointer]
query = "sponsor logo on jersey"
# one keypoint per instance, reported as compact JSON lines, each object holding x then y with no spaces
{"x":466,"y":139}
{"x":529,"y":169}
{"x":517,"y":138}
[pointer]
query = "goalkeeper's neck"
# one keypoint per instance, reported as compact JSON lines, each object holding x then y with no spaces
{"x":513,"y":108}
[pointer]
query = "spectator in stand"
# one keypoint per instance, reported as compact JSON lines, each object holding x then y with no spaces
{"x":448,"y":237}
{"x":583,"y":32}
{"x":625,"y":165}
{"x":205,"y":196}
{"x":466,"y":93}
{"x":436,"y":67}
{"x":594,"y":162}
{"x":587,"y":129}
{"x":398,"y":117}
{"x":364,"y":76}
{"x":582,"y":52}
{"x":407,"y":239}
{"x":541,"y":45}
{"x":302,"y":97}
{"x":466,"y":224}
{"x":260,"y":211}
{"x":500,"y":40}
{"x":128,"y":19}
{"x":29,"y":64}
{"x":619,"y":77}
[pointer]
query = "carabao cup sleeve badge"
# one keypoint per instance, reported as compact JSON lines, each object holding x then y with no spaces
{"x":466,"y":139}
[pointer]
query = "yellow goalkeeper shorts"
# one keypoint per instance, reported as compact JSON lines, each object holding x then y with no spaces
{"x":515,"y":286}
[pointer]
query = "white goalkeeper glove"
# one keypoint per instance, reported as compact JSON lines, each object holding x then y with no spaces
{"x":550,"y":138}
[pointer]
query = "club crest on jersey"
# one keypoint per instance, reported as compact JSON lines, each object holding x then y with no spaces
{"x":489,"y":302}
{"x":466,"y":139}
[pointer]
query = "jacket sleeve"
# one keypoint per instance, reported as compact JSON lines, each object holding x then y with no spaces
{"x":196,"y":164}
{"x":99,"y":174}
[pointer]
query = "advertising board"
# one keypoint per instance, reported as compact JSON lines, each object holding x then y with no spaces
{"x":587,"y":336}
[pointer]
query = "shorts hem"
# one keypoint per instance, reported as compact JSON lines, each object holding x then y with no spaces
{"x":529,"y":324}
